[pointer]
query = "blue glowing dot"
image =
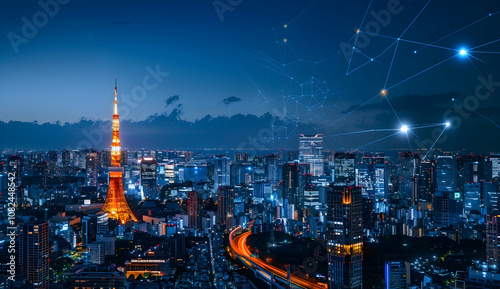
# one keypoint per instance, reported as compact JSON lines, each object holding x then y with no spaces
{"x":452,"y":99}
{"x":371,"y":59}
{"x":462,"y":52}
{"x":414,"y":51}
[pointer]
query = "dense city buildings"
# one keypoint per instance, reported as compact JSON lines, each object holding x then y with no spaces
{"x":247,"y":206}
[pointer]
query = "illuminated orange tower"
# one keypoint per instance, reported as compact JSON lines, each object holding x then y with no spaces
{"x":116,"y":206}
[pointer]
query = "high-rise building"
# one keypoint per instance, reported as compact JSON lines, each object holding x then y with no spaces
{"x":91,"y":162}
{"x":193,"y":209}
{"x":397,"y":274}
{"x":491,"y":195}
{"x":365,"y":179}
{"x":472,"y":198}
{"x":218,"y":171}
{"x":310,"y":152}
{"x":34,"y":252}
{"x":225,"y":206}
{"x":408,"y":169}
{"x":495,"y":166}
{"x":345,"y":237}
{"x":446,"y":174}
{"x":344,"y":171}
{"x":40,"y":175}
{"x":116,"y":205}
{"x":52,"y":162}
{"x":148,"y":178}
{"x":381,"y":187}
{"x":65,"y":162}
{"x":427,"y":180}
{"x":493,"y":240}
{"x":448,"y":208}
{"x":296,"y":177}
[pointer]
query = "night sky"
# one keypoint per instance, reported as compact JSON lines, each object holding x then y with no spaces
{"x":244,"y":60}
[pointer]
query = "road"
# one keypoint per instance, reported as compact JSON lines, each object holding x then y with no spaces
{"x":239,"y":246}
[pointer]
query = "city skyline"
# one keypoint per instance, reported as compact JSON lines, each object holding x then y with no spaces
{"x":250,"y":144}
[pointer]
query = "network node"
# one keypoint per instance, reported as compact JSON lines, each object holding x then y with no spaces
{"x":404,"y":128}
{"x":284,"y":40}
{"x":285,"y":25}
{"x":357,"y":31}
{"x":453,"y":99}
{"x":383,"y":92}
{"x":463,"y":52}
{"x":414,"y":51}
{"x":447,"y":124}
{"x":371,"y":59}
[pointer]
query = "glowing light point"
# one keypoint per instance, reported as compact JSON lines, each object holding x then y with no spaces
{"x":414,"y":51}
{"x":383,"y":92}
{"x":463,"y":52}
{"x":453,"y":99}
{"x":371,"y":59}
{"x":285,"y":25}
{"x":404,"y":128}
{"x":447,"y":124}
{"x":284,"y":40}
{"x":357,"y":31}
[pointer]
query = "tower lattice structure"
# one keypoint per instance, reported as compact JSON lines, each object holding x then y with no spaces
{"x":116,"y":205}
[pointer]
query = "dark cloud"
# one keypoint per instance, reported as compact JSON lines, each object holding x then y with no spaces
{"x":231,"y":99}
{"x":171,"y":100}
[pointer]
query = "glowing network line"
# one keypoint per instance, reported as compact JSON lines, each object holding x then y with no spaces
{"x":474,"y":111}
{"x":311,"y":96}
{"x":456,"y":31}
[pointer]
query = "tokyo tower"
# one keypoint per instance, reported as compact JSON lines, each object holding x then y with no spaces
{"x":116,"y":206}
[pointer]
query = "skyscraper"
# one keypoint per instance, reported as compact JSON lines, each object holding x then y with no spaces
{"x":345,"y":237}
{"x":34,"y":252}
{"x":52,"y":162}
{"x":116,"y":205}
{"x":492,"y":240}
{"x":193,"y":209}
{"x":218,"y":171}
{"x":148,"y":178}
{"x":225,"y":206}
{"x":344,"y":172}
{"x":91,"y":169}
{"x":40,"y":175}
{"x":446,"y":174}
{"x":65,"y":162}
{"x":310,"y":152}
{"x":472,"y":198}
